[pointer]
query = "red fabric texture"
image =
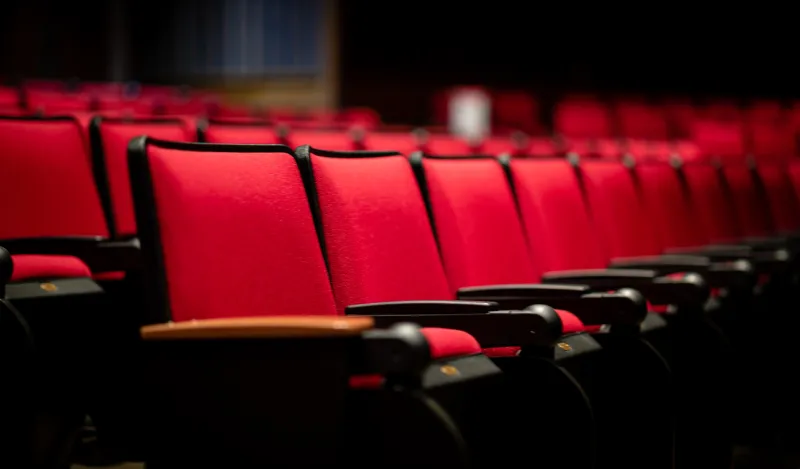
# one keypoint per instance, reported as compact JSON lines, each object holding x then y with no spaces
{"x":640,"y":120}
{"x":334,"y":141}
{"x":247,"y":216}
{"x":404,"y":143}
{"x":556,"y":221}
{"x":39,"y":267}
{"x":58,"y":102}
{"x":115,"y":137}
{"x":782,"y":202}
{"x":274,"y":264}
{"x":712,"y":210}
{"x":668,"y":206}
{"x":749,"y":212}
{"x":480,"y":235}
{"x":617,"y":210}
{"x":446,"y":145}
{"x":582,"y":118}
{"x":223,"y":133}
{"x":49,"y":189}
{"x":377,"y":233}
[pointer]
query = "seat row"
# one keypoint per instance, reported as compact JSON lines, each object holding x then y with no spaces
{"x":282,"y":294}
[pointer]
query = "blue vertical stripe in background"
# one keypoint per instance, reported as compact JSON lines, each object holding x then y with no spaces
{"x":249,"y":37}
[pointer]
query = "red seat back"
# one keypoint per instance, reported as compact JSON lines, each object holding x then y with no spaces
{"x":476,"y":220}
{"x":582,"y":118}
{"x":110,"y":138}
{"x":617,"y":211}
{"x":56,"y":102}
{"x":218,"y":132}
{"x":401,"y":142}
{"x":377,"y":234}
{"x":444,"y":144}
{"x":639,"y":120}
{"x":47,"y":187}
{"x":668,"y":205}
{"x":774,"y":180}
{"x":333,"y":140}
{"x":554,"y":216}
{"x":207,"y":222}
{"x":711,"y":206}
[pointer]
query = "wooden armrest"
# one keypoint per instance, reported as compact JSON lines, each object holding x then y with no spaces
{"x":259,"y":327}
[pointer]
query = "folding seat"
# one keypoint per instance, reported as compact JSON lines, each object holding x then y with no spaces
{"x":53,"y":225}
{"x":515,"y":111}
{"x":9,"y":99}
{"x":54,"y":103}
{"x":444,"y":144}
{"x":380,"y":247}
{"x":604,"y":223}
{"x":338,"y":140}
{"x":403,"y":142}
{"x":224,"y":131}
{"x":584,"y":126}
{"x":363,"y":117}
{"x":109,"y":142}
{"x":486,"y":256}
{"x":261,"y":376}
{"x":638,"y":120}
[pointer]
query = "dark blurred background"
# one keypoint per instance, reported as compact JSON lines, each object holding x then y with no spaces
{"x":350,"y":52}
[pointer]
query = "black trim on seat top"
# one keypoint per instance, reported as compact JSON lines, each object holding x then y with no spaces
{"x":146,"y":210}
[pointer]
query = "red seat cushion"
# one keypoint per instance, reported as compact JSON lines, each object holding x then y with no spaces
{"x":31,"y":266}
{"x":450,"y":342}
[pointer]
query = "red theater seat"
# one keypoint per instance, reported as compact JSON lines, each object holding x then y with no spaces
{"x":109,"y":138}
{"x":254,"y":131}
{"x":189,"y":197}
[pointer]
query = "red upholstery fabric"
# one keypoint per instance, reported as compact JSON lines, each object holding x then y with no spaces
{"x":617,"y":210}
{"x":497,"y":146}
{"x":222,"y":133}
{"x":556,"y":221}
{"x":719,"y":139}
{"x":404,"y":143}
{"x":783,"y":204}
{"x":480,"y":235}
{"x":115,"y":136}
{"x":582,"y":118}
{"x":335,"y":141}
{"x":638,"y":120}
{"x":9,"y":98}
{"x":48,"y":188}
{"x":377,"y":233}
{"x":57,"y":102}
{"x":711,"y":206}
{"x":220,"y":210}
{"x":446,"y":343}
{"x":668,"y":206}
{"x":595,"y":148}
{"x":751,"y":215}
{"x":446,"y":145}
{"x":515,"y":110}
{"x":253,"y":208}
{"x":37,"y":267}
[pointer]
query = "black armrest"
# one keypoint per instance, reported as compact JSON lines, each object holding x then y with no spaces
{"x":623,"y":308}
{"x":537,"y":326}
{"x":737,"y":273}
{"x":715,"y":252}
{"x":99,"y":254}
{"x":421,"y":307}
{"x":688,"y":289}
{"x":663,"y":265}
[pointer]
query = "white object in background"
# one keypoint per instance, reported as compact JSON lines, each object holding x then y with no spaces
{"x":470,"y":113}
